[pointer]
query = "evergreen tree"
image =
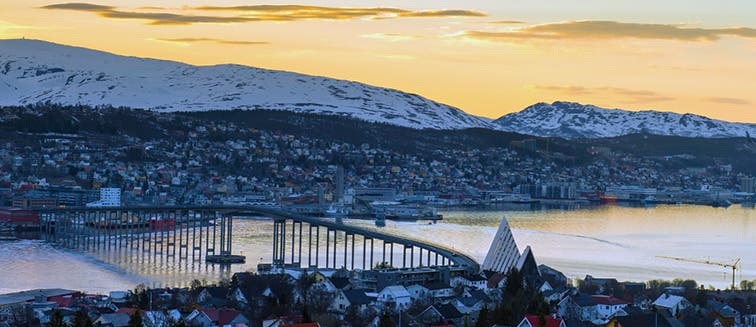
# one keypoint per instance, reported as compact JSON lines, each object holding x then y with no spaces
{"x":81,"y":319}
{"x":56,"y":319}
{"x":483,"y":318}
{"x":136,"y":320}
{"x":514,"y":282}
{"x":386,"y":321}
{"x":179,"y":323}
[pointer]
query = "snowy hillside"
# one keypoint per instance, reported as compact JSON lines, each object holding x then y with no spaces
{"x":573,"y":120}
{"x":36,"y":71}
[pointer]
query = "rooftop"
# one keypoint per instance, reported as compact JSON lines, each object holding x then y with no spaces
{"x":27,"y":296}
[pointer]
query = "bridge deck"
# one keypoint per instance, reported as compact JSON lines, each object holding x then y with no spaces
{"x":454,"y":256}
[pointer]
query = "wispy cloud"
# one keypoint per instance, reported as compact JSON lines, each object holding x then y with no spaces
{"x":186,"y":41}
{"x":6,"y":26}
{"x":443,"y":13}
{"x":607,"y":30}
{"x":506,"y":22}
{"x":391,"y":37}
{"x":79,"y":6}
{"x":257,"y":13}
{"x":625,"y":95}
{"x":722,"y":100}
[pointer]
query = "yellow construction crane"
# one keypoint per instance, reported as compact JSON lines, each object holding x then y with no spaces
{"x":734,"y":265}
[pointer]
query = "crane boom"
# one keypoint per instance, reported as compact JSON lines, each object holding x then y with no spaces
{"x":733,"y":266}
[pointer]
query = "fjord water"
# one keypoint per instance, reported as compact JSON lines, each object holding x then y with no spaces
{"x":607,"y":241}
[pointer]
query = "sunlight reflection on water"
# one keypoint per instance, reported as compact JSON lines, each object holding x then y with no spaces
{"x":608,"y":241}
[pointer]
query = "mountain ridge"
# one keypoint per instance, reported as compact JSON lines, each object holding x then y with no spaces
{"x":572,"y":120}
{"x":33,"y":71}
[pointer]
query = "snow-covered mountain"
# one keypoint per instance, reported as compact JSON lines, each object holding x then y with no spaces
{"x":573,"y":120}
{"x":36,"y":71}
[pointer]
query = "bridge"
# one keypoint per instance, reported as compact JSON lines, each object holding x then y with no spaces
{"x":199,"y":232}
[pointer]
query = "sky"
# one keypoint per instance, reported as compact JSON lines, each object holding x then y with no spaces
{"x":488,"y":58}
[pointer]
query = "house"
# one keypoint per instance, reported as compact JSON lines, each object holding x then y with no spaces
{"x":225,"y":317}
{"x":274,"y":321}
{"x":474,"y":281}
{"x":555,"y":277}
{"x":396,"y":295}
{"x":671,"y":303}
{"x":603,"y":284}
{"x":608,"y":306}
{"x":212,"y":297}
{"x":238,"y":296}
{"x":496,"y":280}
{"x":440,"y":290}
{"x":119,"y":296}
{"x":749,"y":320}
{"x":580,"y":306}
{"x":347,"y":298}
{"x":155,"y":319}
{"x":536,"y":321}
{"x":544,"y":286}
{"x":198,"y":319}
{"x":553,"y":295}
{"x":113,"y":320}
{"x":723,"y":313}
{"x":438,"y":314}
{"x":340,"y":282}
{"x":472,"y":300}
{"x":418,"y":291}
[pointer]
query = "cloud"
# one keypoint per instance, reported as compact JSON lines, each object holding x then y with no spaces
{"x":299,"y":12}
{"x":7,"y":26}
{"x":444,"y":13}
{"x":210,"y":40}
{"x":629,"y":95}
{"x":506,"y":22}
{"x":79,"y":7}
{"x":257,"y":13}
{"x":721,"y":100}
{"x":173,"y":19}
{"x":391,"y":37}
{"x":607,"y":30}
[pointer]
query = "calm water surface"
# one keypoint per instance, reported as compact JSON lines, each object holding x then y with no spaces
{"x":609,"y":241}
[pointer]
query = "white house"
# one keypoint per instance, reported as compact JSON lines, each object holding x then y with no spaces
{"x":476,"y":281}
{"x":672,"y":303}
{"x":418,"y":291}
{"x":608,"y":306}
{"x":581,"y":307}
{"x":199,"y":319}
{"x":440,"y":290}
{"x":396,"y":294}
{"x":346,"y":298}
{"x":238,"y":296}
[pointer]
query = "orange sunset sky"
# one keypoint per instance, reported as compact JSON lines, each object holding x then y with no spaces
{"x":486,"y":57}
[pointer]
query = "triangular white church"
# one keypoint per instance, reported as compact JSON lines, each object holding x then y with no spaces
{"x":503,"y":255}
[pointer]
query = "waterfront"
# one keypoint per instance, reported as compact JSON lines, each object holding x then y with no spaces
{"x":607,"y":241}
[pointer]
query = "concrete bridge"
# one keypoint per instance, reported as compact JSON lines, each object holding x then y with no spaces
{"x":206,"y":232}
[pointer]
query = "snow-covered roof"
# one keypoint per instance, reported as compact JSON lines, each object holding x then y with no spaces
{"x":668,"y":301}
{"x":396,"y":291}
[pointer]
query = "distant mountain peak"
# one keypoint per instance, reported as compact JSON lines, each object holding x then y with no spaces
{"x":573,"y":120}
{"x":33,"y":71}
